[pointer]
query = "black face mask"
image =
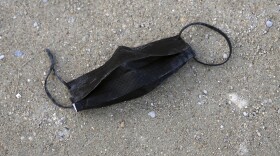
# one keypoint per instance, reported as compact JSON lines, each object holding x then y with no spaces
{"x":130,"y":72}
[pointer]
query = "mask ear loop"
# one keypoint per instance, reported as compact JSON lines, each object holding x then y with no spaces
{"x":52,"y":68}
{"x":218,"y":31}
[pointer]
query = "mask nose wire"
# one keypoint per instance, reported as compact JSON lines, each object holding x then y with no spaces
{"x":52,"y":69}
{"x":216,"y":30}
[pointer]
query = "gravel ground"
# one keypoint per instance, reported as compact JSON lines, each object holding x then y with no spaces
{"x":227,"y":110}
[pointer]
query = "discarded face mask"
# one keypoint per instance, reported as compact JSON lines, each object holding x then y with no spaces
{"x":130,"y":72}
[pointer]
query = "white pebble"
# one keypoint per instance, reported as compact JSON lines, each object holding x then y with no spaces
{"x":35,"y":24}
{"x":28,"y":80}
{"x":258,"y":133}
{"x":152,"y":114}
{"x":222,"y":126}
{"x":2,"y":57}
{"x":30,"y":138}
{"x":225,"y":56}
{"x":241,"y":103}
{"x":205,"y":92}
{"x":246,"y":114}
{"x":269,"y":23}
{"x":18,"y":95}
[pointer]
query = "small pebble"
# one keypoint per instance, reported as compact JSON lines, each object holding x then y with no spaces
{"x":71,"y":19}
{"x":18,"y":95}
{"x":45,"y":1}
{"x":2,"y":57}
{"x":30,"y":138}
{"x":152,"y":114}
{"x":122,"y":124}
{"x":269,"y":23}
{"x":35,"y":24}
{"x":64,"y":133}
{"x":225,"y":56}
{"x":245,"y":114}
{"x":222,"y":126}
{"x":205,"y":92}
{"x":258,"y":133}
{"x":18,"y":53}
{"x":28,"y":80}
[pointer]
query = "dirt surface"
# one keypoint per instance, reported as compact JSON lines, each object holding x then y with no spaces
{"x":227,"y":110}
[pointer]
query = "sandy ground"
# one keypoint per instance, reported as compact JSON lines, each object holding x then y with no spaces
{"x":227,"y":110}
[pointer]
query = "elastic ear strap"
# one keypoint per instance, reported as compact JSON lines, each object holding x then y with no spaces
{"x":218,"y":31}
{"x":52,"y":68}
